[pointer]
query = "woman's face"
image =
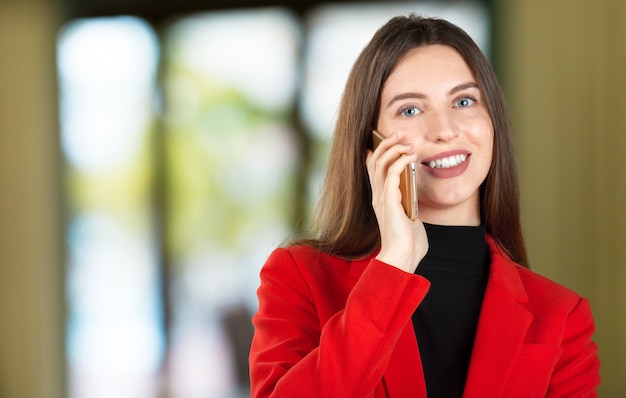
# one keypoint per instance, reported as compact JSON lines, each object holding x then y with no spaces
{"x":431,"y":99}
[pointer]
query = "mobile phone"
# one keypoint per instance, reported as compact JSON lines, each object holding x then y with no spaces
{"x":408,"y":181}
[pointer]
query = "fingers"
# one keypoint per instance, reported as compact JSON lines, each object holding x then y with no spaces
{"x":387,"y":151}
{"x":403,"y":241}
{"x":388,"y":160}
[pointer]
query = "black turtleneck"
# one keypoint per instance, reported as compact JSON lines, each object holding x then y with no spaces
{"x":457,"y":266}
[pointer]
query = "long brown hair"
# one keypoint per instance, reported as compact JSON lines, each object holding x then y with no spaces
{"x":345,"y":223}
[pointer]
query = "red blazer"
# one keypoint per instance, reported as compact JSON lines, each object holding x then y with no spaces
{"x":328,"y":327}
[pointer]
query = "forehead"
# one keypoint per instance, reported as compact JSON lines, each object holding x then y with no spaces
{"x":429,"y":67}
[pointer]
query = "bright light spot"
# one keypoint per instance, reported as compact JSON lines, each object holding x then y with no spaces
{"x":114,"y":324}
{"x":231,"y":48}
{"x":107,"y":69}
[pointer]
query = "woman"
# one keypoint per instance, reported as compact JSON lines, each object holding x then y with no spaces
{"x":379,"y":305}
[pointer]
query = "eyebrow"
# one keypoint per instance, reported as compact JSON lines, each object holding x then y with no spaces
{"x":410,"y":95}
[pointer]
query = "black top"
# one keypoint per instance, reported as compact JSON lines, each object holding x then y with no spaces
{"x":457,"y":266}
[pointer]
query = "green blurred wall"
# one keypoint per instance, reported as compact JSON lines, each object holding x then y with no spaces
{"x":31,"y":316}
{"x":563,"y":68}
{"x":562,"y":64}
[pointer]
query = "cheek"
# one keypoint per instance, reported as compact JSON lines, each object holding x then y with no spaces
{"x":488,"y":152}
{"x":383,"y":123}
{"x":488,"y":142}
{"x":483,"y":135}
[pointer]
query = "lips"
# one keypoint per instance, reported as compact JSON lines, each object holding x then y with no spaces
{"x":447,"y":164}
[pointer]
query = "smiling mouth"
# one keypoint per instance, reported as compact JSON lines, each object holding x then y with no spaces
{"x":447,"y":162}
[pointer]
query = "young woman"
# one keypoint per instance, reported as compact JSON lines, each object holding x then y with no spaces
{"x":378,"y":305}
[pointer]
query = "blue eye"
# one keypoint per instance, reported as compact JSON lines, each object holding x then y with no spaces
{"x":410,"y":111}
{"x":465,"y":102}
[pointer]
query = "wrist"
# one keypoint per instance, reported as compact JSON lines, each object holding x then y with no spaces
{"x":403,"y":262}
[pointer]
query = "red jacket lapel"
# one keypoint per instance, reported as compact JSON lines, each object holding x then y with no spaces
{"x":502,"y":326}
{"x":404,"y":376}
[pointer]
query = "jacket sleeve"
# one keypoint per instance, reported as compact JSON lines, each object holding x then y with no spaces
{"x":292,"y":355}
{"x":577,"y":372}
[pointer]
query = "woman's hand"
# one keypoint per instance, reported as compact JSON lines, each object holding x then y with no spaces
{"x":403,"y":242}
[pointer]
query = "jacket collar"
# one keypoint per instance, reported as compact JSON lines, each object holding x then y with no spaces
{"x":502,"y":327}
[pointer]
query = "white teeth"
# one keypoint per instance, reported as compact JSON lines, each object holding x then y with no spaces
{"x":448,"y":162}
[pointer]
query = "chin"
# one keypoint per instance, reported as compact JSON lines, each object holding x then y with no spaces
{"x":453,"y":201}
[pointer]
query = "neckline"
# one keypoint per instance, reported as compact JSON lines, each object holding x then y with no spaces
{"x":456,"y":247}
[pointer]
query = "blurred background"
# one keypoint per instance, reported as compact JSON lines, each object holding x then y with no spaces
{"x":153,"y":153}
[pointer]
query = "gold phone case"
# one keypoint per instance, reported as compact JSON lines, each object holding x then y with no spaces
{"x":408,"y":182}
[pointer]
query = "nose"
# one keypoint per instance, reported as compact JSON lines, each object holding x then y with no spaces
{"x":441,"y":128}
